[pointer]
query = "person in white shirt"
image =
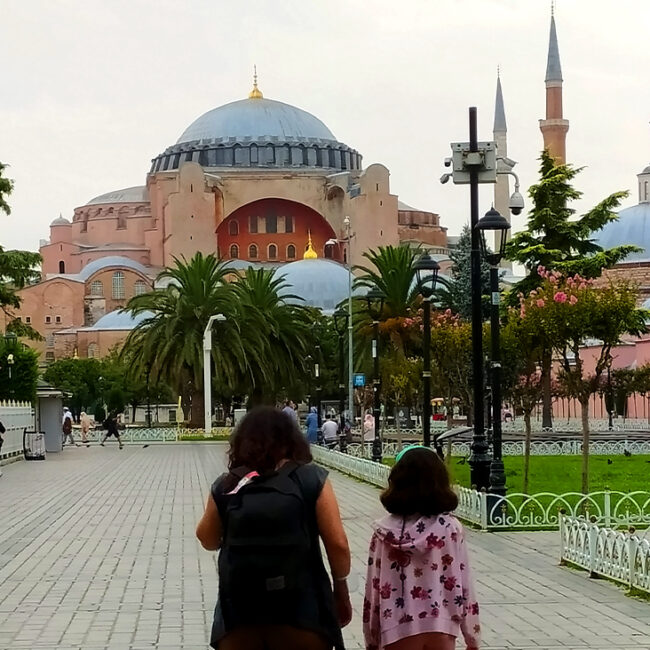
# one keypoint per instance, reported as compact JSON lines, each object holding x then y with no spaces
{"x":330,"y":429}
{"x":66,"y":426}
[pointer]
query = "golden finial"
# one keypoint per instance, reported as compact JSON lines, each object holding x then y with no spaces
{"x":310,"y":253}
{"x":256,"y":93}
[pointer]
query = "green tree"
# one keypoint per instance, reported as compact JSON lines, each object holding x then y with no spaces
{"x":6,"y":187}
{"x":555,"y":240}
{"x":80,"y":379}
{"x":18,"y":379}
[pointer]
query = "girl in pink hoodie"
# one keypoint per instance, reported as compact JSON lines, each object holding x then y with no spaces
{"x":419,"y":589}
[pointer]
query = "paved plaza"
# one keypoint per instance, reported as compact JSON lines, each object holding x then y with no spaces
{"x":97,"y":551}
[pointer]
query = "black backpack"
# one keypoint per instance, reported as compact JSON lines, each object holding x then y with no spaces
{"x":266,"y":562}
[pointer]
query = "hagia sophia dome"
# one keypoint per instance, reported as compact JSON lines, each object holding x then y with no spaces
{"x":632,"y":226}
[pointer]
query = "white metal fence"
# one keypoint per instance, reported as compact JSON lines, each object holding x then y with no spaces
{"x":516,"y":511}
{"x":154,"y":434}
{"x":16,"y":417}
{"x":621,"y":556}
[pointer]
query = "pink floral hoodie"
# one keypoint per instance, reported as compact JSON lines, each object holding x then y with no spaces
{"x":419,"y":581}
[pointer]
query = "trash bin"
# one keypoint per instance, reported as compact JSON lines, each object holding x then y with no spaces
{"x":34,"y":445}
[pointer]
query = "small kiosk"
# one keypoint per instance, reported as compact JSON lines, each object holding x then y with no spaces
{"x":49,"y":412}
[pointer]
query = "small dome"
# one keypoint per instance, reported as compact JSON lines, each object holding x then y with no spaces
{"x":111,"y":261}
{"x":60,"y":221}
{"x":632,"y":227}
{"x":136,"y":194}
{"x":119,"y":320}
{"x":255,"y":118}
{"x":320,"y":283}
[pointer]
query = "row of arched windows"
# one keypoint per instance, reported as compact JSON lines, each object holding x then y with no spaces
{"x":271,"y":252}
{"x":118,"y":292}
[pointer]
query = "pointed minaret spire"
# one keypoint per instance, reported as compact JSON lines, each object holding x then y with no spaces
{"x":554,"y":128}
{"x":499,"y":110}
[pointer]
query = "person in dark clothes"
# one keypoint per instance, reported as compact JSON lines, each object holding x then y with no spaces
{"x":110,"y":424}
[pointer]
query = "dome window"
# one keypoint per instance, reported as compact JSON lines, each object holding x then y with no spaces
{"x":96,"y":288}
{"x":61,"y":266}
{"x":140,"y":288}
{"x":252,"y":252}
{"x":234,"y":252}
{"x":233,"y":228}
{"x":291,"y":252}
{"x":118,"y":285}
{"x":272,"y":252}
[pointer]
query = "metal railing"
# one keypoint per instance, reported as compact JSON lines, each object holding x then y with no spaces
{"x":16,"y":417}
{"x":620,"y":556}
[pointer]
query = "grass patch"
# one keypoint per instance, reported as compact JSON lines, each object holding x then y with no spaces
{"x":559,"y":474}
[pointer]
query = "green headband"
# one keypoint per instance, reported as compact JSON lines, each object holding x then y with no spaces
{"x":401,"y":453}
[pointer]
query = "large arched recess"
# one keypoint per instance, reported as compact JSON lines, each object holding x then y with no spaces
{"x":293,"y":222}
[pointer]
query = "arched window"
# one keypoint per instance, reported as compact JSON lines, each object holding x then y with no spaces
{"x":93,"y":351}
{"x":273,"y":252}
{"x":234,"y":251}
{"x":233,"y":227}
{"x":252,"y":252}
{"x":96,"y":288}
{"x":291,"y":252}
{"x":118,"y":285}
{"x":140,"y":287}
{"x":61,"y":266}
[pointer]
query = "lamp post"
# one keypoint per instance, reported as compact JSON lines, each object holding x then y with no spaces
{"x":207,"y":378}
{"x":375,"y":303}
{"x":341,"y":325}
{"x":148,"y":418}
{"x":495,"y":223}
{"x":426,"y":270}
{"x":316,"y":330}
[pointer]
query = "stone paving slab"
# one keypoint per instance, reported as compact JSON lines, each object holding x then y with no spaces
{"x":97,"y":552}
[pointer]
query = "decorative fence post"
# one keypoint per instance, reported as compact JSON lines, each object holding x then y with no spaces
{"x":607,"y":508}
{"x":632,"y":546}
{"x":562,"y":534}
{"x":592,"y":532}
{"x":484,"y":509}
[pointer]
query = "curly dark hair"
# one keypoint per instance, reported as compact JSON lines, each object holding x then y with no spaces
{"x":419,"y":485}
{"x":263,"y":438}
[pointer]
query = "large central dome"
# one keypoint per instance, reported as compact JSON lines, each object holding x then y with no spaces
{"x":256,"y":118}
{"x":261,"y":133}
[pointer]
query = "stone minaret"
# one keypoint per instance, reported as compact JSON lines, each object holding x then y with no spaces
{"x":500,"y":135}
{"x":554,"y":128}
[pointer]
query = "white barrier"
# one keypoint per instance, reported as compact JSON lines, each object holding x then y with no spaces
{"x":620,"y":556}
{"x":16,"y":417}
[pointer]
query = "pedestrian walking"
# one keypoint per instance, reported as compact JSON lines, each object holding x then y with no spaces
{"x":419,"y":589}
{"x":66,"y":427}
{"x":311,"y":422}
{"x":290,"y":410}
{"x":111,"y":426}
{"x":84,"y":421}
{"x":369,"y":427}
{"x":266,"y":515}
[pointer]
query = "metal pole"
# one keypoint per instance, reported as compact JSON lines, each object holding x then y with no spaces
{"x":342,"y":439}
{"x":207,"y":392}
{"x":319,"y":433}
{"x":376,"y":383}
{"x":148,"y":397}
{"x":350,"y":349}
{"x":479,"y":459}
{"x":426,"y":372}
{"x":497,"y":470}
{"x":610,"y":397}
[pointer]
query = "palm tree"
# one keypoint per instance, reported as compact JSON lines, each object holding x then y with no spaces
{"x":170,"y":339}
{"x":284,"y":328}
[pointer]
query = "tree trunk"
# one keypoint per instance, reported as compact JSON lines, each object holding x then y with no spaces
{"x":585,"y":446}
{"x":398,"y":428}
{"x":547,"y":406}
{"x":196,"y":412}
{"x":527,"y":449}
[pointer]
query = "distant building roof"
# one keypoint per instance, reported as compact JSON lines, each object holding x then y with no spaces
{"x":118,"y":320}
{"x":136,"y":194}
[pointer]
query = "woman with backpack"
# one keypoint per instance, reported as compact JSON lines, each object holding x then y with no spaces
{"x":419,"y":588}
{"x":266,"y":515}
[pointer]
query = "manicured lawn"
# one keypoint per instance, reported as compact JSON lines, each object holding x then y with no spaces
{"x":560,"y":474}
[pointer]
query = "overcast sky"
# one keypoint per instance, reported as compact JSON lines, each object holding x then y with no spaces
{"x":91,"y":91}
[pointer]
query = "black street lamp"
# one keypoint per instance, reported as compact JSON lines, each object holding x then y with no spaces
{"x":341,"y":326}
{"x":497,"y":224}
{"x":317,"y":379}
{"x":426,"y":270}
{"x":148,"y":418}
{"x":375,"y":302}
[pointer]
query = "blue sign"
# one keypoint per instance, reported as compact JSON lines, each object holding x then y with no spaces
{"x":359,"y":380}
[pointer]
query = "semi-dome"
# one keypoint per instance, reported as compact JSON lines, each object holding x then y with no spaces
{"x":111,"y":261}
{"x":632,"y":227}
{"x":136,"y":194}
{"x":318,"y":283}
{"x":258,"y":132}
{"x":120,"y":320}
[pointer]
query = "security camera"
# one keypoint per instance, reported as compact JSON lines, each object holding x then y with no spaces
{"x":448,"y":162}
{"x":444,"y":178}
{"x":516,"y":203}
